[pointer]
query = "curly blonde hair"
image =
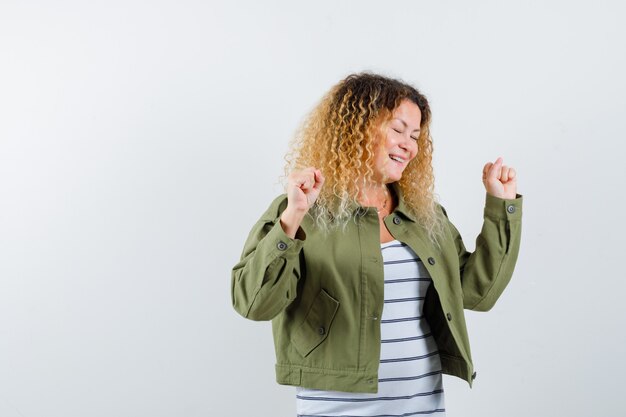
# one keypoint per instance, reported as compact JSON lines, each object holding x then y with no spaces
{"x":340,"y":137}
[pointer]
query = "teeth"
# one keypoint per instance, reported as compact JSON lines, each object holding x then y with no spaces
{"x":395,"y":158}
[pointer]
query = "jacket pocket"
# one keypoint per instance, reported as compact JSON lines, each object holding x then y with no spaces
{"x":316,"y":326}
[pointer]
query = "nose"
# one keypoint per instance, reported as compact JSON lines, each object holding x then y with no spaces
{"x":409,"y":146}
{"x":406,"y":144}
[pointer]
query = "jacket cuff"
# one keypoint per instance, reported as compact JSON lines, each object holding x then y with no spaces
{"x":283,"y":245}
{"x":503,"y":208}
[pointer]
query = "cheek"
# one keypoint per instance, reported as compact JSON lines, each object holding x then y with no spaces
{"x":414,"y":150}
{"x":383,"y":155}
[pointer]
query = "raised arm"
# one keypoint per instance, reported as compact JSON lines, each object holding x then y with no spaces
{"x":486,"y":272}
{"x":265,"y":279}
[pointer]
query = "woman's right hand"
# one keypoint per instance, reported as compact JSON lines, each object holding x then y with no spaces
{"x":303,"y":188}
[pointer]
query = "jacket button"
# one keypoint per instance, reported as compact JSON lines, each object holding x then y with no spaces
{"x":431,"y":260}
{"x":321,"y":330}
{"x":281,"y":245}
{"x":449,"y":316}
{"x":511,"y":208}
{"x":397,"y":220}
{"x":474,"y":376}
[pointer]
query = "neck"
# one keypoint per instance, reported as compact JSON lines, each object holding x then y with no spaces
{"x":375,"y":195}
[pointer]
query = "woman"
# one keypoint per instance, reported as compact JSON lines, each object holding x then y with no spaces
{"x":362,"y":274}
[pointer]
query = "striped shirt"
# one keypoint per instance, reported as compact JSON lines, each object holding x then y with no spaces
{"x":410,"y":379}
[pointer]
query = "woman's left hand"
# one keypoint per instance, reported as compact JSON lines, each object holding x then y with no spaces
{"x":500,"y":180}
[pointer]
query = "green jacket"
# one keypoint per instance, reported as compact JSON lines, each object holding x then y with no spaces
{"x":324,"y":295}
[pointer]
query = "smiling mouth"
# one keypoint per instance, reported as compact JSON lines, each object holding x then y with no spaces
{"x":397,"y":159}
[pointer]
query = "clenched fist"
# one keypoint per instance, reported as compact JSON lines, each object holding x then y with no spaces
{"x":303,"y":188}
{"x":500,"y":180}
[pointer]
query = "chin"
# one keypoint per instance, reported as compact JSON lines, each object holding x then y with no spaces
{"x":395,"y":177}
{"x":392,"y":176}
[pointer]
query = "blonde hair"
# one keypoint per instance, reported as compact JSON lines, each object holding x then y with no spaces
{"x":340,"y":136}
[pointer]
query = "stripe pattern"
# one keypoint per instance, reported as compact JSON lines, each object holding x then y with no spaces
{"x":409,"y":375}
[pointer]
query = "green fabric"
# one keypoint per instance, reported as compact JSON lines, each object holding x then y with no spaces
{"x":324,"y":293}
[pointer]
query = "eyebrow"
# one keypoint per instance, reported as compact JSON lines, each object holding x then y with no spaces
{"x":405,"y":125}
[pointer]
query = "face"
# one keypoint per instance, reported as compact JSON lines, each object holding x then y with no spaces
{"x":400,"y":145}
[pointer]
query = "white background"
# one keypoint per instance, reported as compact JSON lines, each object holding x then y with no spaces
{"x":140,"y":140}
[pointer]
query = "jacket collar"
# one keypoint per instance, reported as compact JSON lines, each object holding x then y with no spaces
{"x":402,"y":207}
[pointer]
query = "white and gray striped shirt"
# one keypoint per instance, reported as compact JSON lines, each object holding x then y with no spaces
{"x":410,"y":379}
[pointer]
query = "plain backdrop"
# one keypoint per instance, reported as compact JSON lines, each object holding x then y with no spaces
{"x":140,"y":141}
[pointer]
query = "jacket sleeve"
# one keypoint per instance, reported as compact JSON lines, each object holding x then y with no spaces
{"x":487,"y":271}
{"x":264,"y":280}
